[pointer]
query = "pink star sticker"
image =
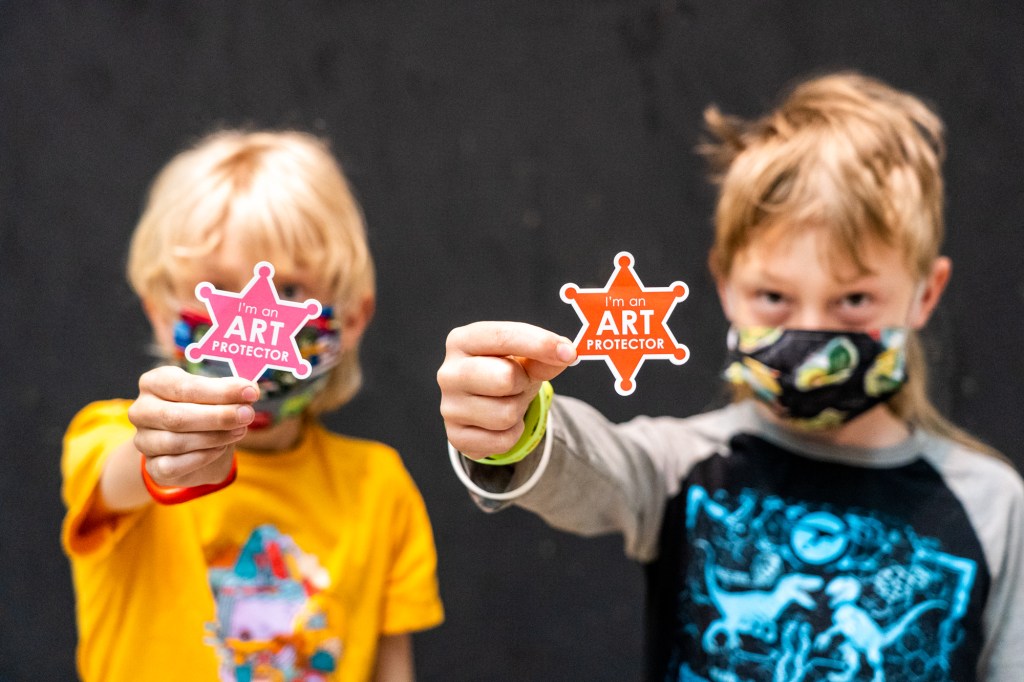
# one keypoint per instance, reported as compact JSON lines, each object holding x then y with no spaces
{"x":253,"y":330}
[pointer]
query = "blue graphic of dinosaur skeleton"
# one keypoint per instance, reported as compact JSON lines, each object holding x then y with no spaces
{"x":791,"y":591}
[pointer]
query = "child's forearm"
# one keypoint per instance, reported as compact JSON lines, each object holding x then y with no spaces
{"x":187,"y":426}
{"x":121,"y":489}
{"x":394,"y":659}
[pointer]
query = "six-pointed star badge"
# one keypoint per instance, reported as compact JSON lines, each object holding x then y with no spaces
{"x":625,"y":323}
{"x":253,"y":330}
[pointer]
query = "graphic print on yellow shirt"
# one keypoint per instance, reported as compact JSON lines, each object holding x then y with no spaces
{"x":271,"y":619}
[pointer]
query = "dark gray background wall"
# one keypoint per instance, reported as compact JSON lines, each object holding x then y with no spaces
{"x":500,"y":149}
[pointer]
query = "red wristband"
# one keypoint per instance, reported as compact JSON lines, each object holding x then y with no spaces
{"x":165,"y":494}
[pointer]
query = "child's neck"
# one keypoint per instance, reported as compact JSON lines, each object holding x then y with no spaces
{"x":272,"y":439}
{"x":876,"y":428}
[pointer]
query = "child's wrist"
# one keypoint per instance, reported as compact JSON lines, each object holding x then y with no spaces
{"x":176,"y":495}
{"x":536,"y":423}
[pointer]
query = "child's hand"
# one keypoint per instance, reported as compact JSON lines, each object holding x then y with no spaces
{"x":491,"y":372}
{"x":187,"y":425}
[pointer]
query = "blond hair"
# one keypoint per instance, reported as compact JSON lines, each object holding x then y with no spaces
{"x":286,"y":193}
{"x":849,"y":153}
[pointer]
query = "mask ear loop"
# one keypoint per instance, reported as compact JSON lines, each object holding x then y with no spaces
{"x":727,"y":304}
{"x":915,"y":304}
{"x":456,"y":459}
{"x":732,"y":335}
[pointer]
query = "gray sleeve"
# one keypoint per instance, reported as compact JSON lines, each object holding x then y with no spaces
{"x":992,"y":493}
{"x":604,"y":477}
{"x":1003,"y":656}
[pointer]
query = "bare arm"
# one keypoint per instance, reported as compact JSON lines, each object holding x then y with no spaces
{"x":394,"y":659}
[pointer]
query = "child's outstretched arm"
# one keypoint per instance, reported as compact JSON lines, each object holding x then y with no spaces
{"x":587,"y":475}
{"x":186,"y":427}
{"x":491,"y":372}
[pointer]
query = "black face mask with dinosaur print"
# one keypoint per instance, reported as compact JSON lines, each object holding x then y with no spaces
{"x":818,"y":379}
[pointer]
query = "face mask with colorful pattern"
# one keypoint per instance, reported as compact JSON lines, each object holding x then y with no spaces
{"x":282,"y":395}
{"x":818,"y":379}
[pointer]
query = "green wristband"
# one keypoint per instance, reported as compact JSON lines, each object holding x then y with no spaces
{"x":536,"y":421}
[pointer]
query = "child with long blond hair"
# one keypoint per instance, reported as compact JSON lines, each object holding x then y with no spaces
{"x":310,"y":555}
{"x":829,"y":524}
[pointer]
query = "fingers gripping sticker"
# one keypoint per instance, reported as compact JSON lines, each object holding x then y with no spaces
{"x":625,"y":323}
{"x":253,"y":330}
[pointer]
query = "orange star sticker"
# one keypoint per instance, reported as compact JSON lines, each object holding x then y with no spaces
{"x":625,"y":323}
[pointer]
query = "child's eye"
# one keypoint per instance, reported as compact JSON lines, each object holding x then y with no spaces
{"x":769,"y":307}
{"x":856,"y":300}
{"x":855,"y":303}
{"x":856,"y":308}
{"x":771,"y":297}
{"x":292,"y":292}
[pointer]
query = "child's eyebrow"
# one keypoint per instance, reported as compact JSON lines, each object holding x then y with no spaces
{"x":764,"y":277}
{"x":863,"y":278}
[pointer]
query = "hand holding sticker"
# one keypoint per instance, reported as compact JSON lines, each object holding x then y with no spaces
{"x":625,"y":323}
{"x":253,"y":330}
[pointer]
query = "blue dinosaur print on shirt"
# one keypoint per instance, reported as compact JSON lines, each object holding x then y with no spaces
{"x":859,"y":633}
{"x":789,"y":591}
{"x":752,"y":612}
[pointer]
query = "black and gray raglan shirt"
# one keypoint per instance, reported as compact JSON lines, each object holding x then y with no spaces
{"x":772,"y":557}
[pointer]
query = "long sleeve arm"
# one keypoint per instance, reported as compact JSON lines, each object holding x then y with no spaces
{"x":602,"y":477}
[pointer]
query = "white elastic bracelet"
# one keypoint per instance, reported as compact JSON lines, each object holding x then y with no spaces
{"x":456,"y":459}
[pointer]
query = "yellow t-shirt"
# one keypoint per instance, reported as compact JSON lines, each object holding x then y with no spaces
{"x":299,"y":566}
